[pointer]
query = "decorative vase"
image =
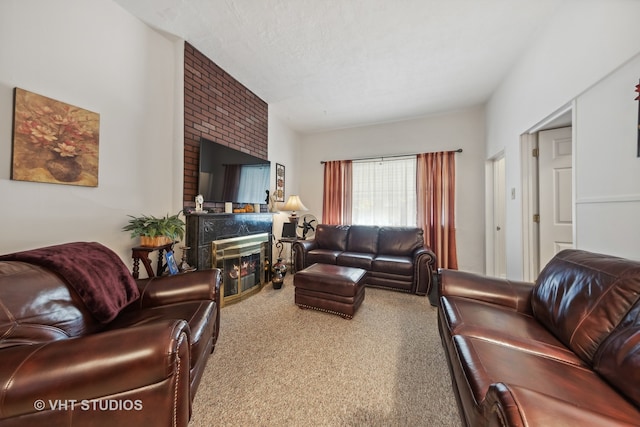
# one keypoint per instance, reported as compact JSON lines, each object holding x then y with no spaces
{"x":279,"y":271}
{"x":65,"y":169}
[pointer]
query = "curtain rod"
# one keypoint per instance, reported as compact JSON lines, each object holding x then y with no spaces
{"x":459,"y":150}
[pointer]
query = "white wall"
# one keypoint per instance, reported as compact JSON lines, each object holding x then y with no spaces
{"x":463,"y":129}
{"x":608,"y":169}
{"x":586,"y":41}
{"x":284,"y":147}
{"x":96,"y":56}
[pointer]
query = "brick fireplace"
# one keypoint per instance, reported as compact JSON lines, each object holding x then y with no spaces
{"x":221,"y":109}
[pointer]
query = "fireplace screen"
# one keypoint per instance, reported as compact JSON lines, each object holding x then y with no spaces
{"x":243,"y":274}
{"x":241,"y":260}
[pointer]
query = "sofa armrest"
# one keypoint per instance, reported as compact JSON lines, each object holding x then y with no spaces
{"x":35,"y":378}
{"x":300,"y":249}
{"x":502,"y":408}
{"x":514,"y":406}
{"x":196,"y":285}
{"x":509,"y":293}
{"x":424,"y":261}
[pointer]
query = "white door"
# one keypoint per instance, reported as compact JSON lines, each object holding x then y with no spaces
{"x":555,"y":192}
{"x":499,"y":215}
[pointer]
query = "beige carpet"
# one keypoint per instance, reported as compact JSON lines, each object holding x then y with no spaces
{"x":278,"y":365}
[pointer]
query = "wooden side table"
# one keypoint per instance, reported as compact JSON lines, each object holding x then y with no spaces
{"x":141,"y":253}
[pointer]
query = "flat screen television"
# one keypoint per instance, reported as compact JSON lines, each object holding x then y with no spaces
{"x":229,"y":175}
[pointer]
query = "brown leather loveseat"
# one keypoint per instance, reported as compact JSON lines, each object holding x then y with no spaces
{"x":82,"y":343}
{"x":564,"y":351}
{"x":394,"y":257}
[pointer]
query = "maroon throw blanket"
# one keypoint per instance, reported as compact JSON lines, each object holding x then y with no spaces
{"x":96,"y":273}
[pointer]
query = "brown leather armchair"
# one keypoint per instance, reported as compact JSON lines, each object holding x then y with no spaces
{"x":61,"y":365}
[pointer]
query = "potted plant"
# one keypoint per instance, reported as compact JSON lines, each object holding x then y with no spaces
{"x":155,"y":231}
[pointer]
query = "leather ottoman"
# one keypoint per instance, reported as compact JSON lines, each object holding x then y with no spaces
{"x":330,"y":288}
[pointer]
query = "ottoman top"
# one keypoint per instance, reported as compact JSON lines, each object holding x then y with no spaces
{"x":351,"y":274}
{"x":331,"y":279}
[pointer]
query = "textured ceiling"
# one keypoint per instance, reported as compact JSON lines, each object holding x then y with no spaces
{"x":327,"y":64}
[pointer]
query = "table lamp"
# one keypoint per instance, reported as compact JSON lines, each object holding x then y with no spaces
{"x":294,"y":204}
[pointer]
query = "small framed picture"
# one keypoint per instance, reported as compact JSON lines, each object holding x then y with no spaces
{"x":279,"y":182}
{"x":172,"y":265}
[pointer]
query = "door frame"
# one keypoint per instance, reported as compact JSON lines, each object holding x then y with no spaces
{"x":563,"y":117}
{"x":529,"y":191}
{"x":490,"y":244}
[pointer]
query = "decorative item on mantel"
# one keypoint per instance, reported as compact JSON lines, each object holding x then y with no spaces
{"x":247,"y":208}
{"x":199,"y":204}
{"x":155,"y":231}
{"x":271,"y":200}
{"x":279,"y":271}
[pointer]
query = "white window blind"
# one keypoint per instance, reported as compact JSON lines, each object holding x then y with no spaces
{"x":384,"y":192}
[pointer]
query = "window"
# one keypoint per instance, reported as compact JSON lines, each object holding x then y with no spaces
{"x":384,"y":192}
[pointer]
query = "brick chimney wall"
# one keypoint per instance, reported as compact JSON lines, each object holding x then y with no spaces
{"x":219,"y":108}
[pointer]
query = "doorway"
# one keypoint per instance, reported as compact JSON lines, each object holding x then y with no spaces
{"x":499,"y":217}
{"x":547,"y":189}
{"x":555,"y":192}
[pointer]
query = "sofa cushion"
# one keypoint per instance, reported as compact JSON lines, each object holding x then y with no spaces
{"x":57,"y":313}
{"x":402,"y":265}
{"x":581,"y":297}
{"x":469,"y":317}
{"x":363,"y":239}
{"x":332,"y":237}
{"x":357,"y":260}
{"x":399,"y":241}
{"x":323,"y":256}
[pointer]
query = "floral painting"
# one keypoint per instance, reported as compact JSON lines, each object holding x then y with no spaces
{"x":53,"y":141}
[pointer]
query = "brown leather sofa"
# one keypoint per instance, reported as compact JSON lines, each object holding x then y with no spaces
{"x":394,"y":257}
{"x":67,"y":360}
{"x":564,"y":351}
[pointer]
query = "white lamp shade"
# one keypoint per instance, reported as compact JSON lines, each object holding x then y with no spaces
{"x":294,"y":204}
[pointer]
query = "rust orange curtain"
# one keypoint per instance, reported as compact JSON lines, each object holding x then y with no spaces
{"x":436,"y":176}
{"x":336,"y":199}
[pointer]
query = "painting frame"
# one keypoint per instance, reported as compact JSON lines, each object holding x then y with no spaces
{"x":280,"y":182}
{"x":54,"y":142}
